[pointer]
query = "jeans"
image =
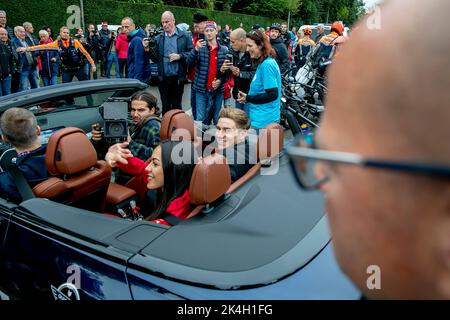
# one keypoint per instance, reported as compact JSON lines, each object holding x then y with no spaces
{"x":208,"y":105}
{"x":5,"y":86}
{"x":242,"y":106}
{"x":49,"y":81}
{"x":30,"y":76}
{"x":80,"y":73}
{"x":112,"y":58}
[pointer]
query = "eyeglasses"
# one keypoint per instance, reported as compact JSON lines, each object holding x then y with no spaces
{"x":304,"y":160}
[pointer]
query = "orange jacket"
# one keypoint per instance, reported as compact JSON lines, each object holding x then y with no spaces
{"x":54,"y":46}
{"x":306,"y":40}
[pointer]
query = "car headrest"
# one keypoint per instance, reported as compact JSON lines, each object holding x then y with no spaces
{"x":69,"y":151}
{"x":175,"y":124}
{"x":210,"y":180}
{"x":270,"y":141}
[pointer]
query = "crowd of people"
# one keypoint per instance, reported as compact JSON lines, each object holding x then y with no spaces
{"x":221,"y":64}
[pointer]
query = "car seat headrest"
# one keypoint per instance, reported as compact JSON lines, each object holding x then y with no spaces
{"x":69,"y":152}
{"x":210,"y":180}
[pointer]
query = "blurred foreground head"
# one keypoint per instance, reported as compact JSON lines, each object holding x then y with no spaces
{"x":389,"y":97}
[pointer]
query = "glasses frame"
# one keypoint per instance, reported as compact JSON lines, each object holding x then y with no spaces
{"x":431,"y":169}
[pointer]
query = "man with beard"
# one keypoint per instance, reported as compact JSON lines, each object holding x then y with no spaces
{"x":279,"y":46}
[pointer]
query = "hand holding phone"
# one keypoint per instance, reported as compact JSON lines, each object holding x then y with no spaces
{"x":200,"y":43}
{"x":229,"y":58}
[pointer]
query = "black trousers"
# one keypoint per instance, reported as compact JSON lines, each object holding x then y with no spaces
{"x":123,"y":68}
{"x":171,"y":92}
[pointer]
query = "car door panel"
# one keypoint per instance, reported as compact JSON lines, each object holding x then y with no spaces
{"x":35,"y":261}
{"x":50,"y":245}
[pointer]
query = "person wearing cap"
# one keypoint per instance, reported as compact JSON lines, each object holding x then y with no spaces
{"x":198,"y":33}
{"x":335,"y":39}
{"x":105,"y":42}
{"x":304,"y":46}
{"x":170,"y":50}
{"x":282,"y":54}
{"x":207,"y":57}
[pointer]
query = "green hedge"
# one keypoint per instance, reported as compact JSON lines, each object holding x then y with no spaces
{"x":53,"y":13}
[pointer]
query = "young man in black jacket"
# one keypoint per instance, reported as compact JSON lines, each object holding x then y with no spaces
{"x":241,"y":67}
{"x":232,"y":140}
{"x":279,"y":46}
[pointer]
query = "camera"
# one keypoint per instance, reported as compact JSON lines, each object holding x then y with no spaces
{"x":152,"y":34}
{"x":114,"y":112}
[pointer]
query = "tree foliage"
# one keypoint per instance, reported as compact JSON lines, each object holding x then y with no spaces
{"x":349,"y":11}
{"x":302,"y":11}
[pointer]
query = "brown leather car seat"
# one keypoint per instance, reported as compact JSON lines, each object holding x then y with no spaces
{"x":79,"y":179}
{"x":210,"y":180}
{"x":176,"y":123}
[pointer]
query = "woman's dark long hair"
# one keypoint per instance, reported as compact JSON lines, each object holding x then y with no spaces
{"x":262,"y":40}
{"x":178,"y":163}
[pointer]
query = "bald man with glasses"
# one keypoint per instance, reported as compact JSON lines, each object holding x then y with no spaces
{"x":382,"y":155}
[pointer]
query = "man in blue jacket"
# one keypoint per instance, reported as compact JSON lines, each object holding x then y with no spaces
{"x":19,"y":128}
{"x":28,"y":64}
{"x":170,"y":50}
{"x":138,"y":62}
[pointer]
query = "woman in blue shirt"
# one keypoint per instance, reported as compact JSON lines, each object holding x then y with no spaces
{"x":263,"y":98}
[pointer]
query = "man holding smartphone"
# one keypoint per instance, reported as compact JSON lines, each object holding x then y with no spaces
{"x":207,"y":57}
{"x":197,"y":34}
{"x":238,"y":63}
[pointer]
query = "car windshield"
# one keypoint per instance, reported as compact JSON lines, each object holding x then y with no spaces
{"x":91,"y":100}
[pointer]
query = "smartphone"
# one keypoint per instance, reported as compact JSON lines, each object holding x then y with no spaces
{"x":201,"y":36}
{"x":229,"y":57}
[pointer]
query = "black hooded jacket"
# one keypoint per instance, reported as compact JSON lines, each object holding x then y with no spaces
{"x":282,"y":57}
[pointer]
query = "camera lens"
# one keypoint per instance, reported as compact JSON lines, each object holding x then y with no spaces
{"x":117,"y":129}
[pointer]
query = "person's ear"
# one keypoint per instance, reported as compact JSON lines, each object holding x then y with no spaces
{"x":38,"y":131}
{"x":4,"y":139}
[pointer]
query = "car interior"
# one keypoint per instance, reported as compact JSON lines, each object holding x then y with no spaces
{"x":81,"y":180}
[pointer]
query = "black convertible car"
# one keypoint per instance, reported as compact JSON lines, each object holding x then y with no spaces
{"x":258,"y":238}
